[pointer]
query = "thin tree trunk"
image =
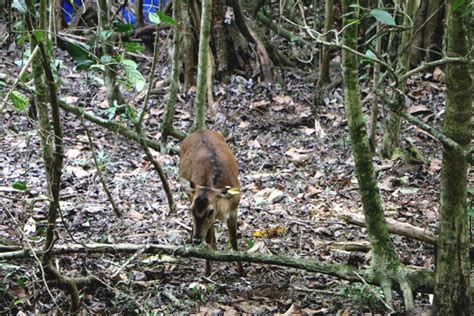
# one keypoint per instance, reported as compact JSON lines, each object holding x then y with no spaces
{"x":200,"y":102}
{"x":374,"y":108}
{"x":139,"y":13}
{"x":188,"y":48}
{"x":325,"y":58}
{"x":393,"y":122}
{"x":167,"y":124}
{"x":452,"y":264}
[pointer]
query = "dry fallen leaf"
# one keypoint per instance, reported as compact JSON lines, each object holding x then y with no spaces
{"x":296,"y":156}
{"x":254,"y":144}
{"x":438,"y":74}
{"x":416,"y":109}
{"x":135,"y":215}
{"x":259,"y":104}
{"x":78,"y":172}
{"x":283,"y":100}
{"x":269,"y":232}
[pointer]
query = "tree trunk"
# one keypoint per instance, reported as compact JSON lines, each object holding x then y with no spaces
{"x":325,"y":57}
{"x":452,"y":265}
{"x":140,"y":20}
{"x":385,"y":262}
{"x":203,"y":60}
{"x":167,"y":124}
{"x":187,"y":44}
{"x":393,"y":122}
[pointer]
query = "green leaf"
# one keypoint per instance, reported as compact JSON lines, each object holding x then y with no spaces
{"x":39,"y":36}
{"x":132,"y":113}
{"x":383,"y":16}
{"x":133,"y":75}
{"x":133,"y":47}
{"x":159,"y":17}
{"x":19,"y":185}
{"x":80,"y":53}
{"x":19,"y":5}
{"x":106,"y":59}
{"x":20,"y":101}
{"x":470,"y":190}
{"x":458,"y":4}
{"x":123,"y":28}
{"x":370,"y":55}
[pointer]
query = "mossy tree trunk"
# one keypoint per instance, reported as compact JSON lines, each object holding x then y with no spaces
{"x":452,"y":265}
{"x":393,"y":122}
{"x":385,"y":264}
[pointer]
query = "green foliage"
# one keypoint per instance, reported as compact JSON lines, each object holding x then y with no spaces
{"x":365,"y":296}
{"x":159,"y":17}
{"x":19,"y":100}
{"x":19,"y":185}
{"x":133,"y":75}
{"x":13,"y":284}
{"x":250,"y":243}
{"x":123,"y":28}
{"x":133,"y":47}
{"x":383,"y":17}
{"x":458,"y":4}
{"x":80,"y":53}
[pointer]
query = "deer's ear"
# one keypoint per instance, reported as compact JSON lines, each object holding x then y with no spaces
{"x":187,"y":186}
{"x":229,"y":192}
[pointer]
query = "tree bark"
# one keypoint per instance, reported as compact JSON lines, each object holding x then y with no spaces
{"x":325,"y":57}
{"x":200,"y":101}
{"x":385,"y":262}
{"x":452,"y":265}
{"x":393,"y":122}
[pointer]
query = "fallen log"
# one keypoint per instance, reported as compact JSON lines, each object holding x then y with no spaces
{"x":421,"y":280}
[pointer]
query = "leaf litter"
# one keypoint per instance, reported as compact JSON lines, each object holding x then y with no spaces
{"x":296,"y":171}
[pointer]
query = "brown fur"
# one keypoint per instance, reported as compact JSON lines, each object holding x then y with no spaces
{"x":210,"y":166}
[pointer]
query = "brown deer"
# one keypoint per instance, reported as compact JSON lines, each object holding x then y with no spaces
{"x":210,"y":176}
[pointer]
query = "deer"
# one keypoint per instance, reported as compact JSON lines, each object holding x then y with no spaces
{"x":209,"y":175}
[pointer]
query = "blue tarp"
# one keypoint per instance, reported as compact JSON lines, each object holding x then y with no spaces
{"x":125,"y":12}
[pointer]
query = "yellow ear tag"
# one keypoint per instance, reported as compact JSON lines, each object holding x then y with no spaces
{"x":233,"y":191}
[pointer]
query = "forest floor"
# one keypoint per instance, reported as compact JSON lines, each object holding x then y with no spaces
{"x":296,"y":173}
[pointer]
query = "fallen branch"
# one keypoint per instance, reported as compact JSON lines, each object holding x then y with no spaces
{"x":421,"y":280}
{"x":114,"y":127}
{"x":394,"y":227}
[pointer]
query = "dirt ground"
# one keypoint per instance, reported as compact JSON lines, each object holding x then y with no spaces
{"x":296,"y":173}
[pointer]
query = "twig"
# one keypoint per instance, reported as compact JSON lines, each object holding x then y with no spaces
{"x":377,"y":295}
{"x":99,"y":173}
{"x":138,"y":129}
{"x":113,"y":126}
{"x":136,"y":254}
